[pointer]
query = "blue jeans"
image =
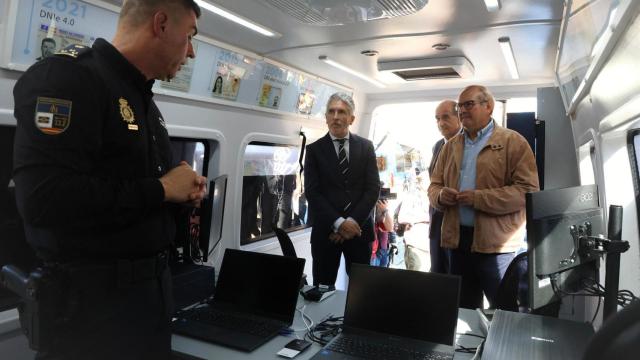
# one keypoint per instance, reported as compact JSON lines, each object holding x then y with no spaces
{"x":381,"y":259}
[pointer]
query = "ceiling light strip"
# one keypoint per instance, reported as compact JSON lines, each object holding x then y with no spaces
{"x":351,"y":71}
{"x":492,"y":5}
{"x":507,"y":52}
{"x":216,"y":9}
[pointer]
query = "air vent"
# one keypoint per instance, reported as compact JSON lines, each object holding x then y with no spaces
{"x":327,"y":13}
{"x":425,"y":69}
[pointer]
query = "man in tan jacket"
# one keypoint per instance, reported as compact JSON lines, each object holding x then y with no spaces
{"x":480,"y":185}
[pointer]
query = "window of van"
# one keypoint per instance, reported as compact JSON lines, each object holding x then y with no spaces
{"x":271,"y":191}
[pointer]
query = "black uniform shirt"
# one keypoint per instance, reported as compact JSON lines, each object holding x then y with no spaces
{"x":90,"y":146}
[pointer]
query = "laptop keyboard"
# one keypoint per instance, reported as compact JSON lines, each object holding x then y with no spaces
{"x":242,"y":323}
{"x":369,"y":350}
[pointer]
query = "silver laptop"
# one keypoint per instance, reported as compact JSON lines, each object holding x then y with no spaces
{"x":524,"y":336}
{"x":397,"y":314}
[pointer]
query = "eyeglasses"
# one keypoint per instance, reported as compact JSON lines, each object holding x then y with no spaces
{"x":467,"y":105}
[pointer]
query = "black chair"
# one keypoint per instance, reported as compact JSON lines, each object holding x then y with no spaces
{"x":619,"y":336}
{"x":286,"y":245}
{"x":512,"y":294}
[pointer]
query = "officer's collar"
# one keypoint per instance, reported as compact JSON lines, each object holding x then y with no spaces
{"x":122,"y":65}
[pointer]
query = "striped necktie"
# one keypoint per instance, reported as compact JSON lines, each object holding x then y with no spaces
{"x":343,"y":166}
{"x":343,"y":162}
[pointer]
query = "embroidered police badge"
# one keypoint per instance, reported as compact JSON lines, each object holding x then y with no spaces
{"x":127,"y":114}
{"x":53,"y":116}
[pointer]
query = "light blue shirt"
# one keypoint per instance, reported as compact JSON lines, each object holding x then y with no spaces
{"x":468,"y":171}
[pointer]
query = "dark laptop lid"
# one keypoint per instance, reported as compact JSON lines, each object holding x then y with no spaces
{"x":515,"y":335}
{"x":261,"y":284}
{"x":404,"y":303}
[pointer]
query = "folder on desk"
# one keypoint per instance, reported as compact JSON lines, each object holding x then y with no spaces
{"x":396,"y":314}
{"x":255,"y":299}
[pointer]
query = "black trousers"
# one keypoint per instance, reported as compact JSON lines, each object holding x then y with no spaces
{"x":326,"y":258}
{"x":116,"y":321}
{"x":440,"y":257}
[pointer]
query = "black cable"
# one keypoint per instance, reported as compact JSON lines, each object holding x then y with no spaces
{"x":470,"y":334}
{"x":466,"y":350}
{"x":597,"y":309}
{"x":590,"y":287}
{"x":324,"y":331}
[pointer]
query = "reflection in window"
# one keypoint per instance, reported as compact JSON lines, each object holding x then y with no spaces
{"x":587,"y":161}
{"x":271,"y":191}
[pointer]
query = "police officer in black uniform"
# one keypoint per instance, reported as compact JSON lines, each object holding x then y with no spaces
{"x":96,"y":185}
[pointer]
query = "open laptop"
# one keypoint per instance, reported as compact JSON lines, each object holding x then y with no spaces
{"x":255,"y":299}
{"x":397,"y":314}
{"x":515,"y":335}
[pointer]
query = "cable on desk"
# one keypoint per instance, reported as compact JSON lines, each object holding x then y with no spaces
{"x":325,"y":330}
{"x":471,"y":334}
{"x":305,"y":317}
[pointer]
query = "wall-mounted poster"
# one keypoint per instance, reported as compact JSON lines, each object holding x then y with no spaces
{"x":44,"y":27}
{"x":274,"y":80}
{"x":182,"y":80}
{"x":53,"y":38}
{"x":270,"y":96}
{"x":35,"y":29}
{"x":228,"y":75}
{"x":305,"y":102}
{"x":306,"y":94}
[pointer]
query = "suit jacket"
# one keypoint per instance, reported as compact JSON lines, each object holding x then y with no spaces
{"x":328,"y":193}
{"x":435,"y":214}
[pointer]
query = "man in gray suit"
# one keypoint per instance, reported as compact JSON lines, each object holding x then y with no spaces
{"x":449,"y":125}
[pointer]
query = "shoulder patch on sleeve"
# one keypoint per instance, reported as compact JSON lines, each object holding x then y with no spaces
{"x":53,"y":116}
{"x":74,"y":51}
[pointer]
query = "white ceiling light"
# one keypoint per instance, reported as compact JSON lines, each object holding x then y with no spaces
{"x":351,"y":71}
{"x":492,"y":5}
{"x":216,"y":9}
{"x":507,"y":52}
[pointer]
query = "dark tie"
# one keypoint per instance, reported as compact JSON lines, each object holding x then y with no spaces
{"x":343,"y":164}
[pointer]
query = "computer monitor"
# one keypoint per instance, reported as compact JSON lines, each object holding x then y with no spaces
{"x":554,"y":220}
{"x":213,"y":215}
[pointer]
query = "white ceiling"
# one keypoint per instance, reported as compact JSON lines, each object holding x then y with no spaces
{"x":532,"y":25}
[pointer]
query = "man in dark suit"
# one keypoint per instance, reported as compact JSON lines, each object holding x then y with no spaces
{"x":342,"y":186}
{"x":449,"y":125}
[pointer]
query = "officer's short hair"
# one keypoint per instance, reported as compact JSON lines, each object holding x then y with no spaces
{"x":48,"y":39}
{"x":345,"y":98}
{"x":137,"y":11}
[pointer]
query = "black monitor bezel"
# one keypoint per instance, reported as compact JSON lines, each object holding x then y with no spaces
{"x":573,"y":205}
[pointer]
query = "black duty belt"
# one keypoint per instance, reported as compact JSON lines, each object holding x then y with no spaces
{"x":119,"y":272}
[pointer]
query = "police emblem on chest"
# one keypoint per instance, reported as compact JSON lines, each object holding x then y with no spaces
{"x":127,"y":114}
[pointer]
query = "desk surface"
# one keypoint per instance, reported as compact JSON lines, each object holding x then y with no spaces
{"x":468,"y":322}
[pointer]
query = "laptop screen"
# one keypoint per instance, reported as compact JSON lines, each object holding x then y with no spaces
{"x":261,"y":284}
{"x":412,"y":304}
